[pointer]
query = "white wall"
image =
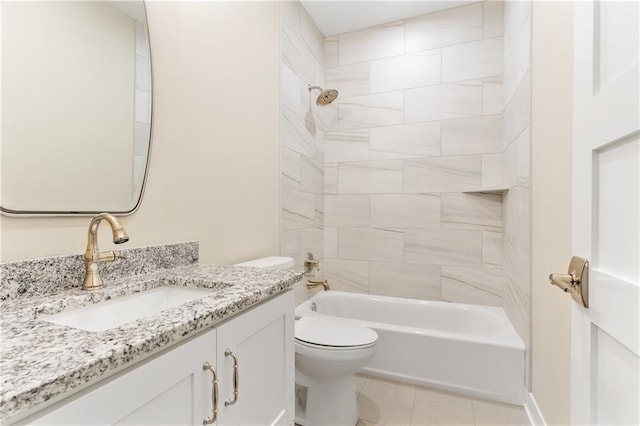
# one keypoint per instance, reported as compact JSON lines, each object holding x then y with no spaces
{"x":215,"y":167}
{"x":551,"y":134}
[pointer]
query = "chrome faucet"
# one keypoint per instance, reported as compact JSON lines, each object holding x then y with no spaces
{"x":92,"y":255}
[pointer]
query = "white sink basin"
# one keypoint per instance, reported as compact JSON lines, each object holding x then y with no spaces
{"x":121,"y":310}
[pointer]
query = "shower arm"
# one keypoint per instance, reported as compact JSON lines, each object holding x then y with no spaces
{"x":315,"y":87}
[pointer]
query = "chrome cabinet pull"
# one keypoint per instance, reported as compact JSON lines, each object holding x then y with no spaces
{"x":236,"y":378}
{"x":214,"y":395}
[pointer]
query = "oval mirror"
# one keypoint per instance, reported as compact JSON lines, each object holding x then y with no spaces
{"x":76,"y":107}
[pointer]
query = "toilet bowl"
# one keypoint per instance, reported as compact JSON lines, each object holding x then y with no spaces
{"x":328,"y":354}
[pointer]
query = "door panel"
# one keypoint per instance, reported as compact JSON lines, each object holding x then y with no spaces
{"x":616,"y":203}
{"x":179,"y":396}
{"x":606,"y":213}
{"x":616,"y":40}
{"x":614,"y":368}
{"x":255,"y":350}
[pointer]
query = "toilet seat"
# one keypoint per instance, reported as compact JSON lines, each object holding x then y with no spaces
{"x":324,"y":333}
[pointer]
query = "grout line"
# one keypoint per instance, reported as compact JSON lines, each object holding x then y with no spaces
{"x":413,"y":405}
{"x":338,"y":41}
{"x":483,"y":20}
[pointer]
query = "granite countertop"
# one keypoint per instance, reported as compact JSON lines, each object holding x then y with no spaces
{"x":42,"y":360}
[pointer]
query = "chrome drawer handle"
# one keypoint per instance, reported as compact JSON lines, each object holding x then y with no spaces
{"x":214,"y":395}
{"x":236,"y":378}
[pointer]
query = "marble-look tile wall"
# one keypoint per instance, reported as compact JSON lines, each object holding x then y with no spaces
{"x":302,"y":138}
{"x":516,"y":158}
{"x":419,"y":121}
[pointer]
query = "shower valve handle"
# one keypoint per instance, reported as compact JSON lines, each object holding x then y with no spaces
{"x":311,"y":263}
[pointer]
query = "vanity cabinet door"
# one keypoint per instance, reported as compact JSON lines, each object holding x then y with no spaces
{"x":169,"y":389}
{"x":261,"y":340}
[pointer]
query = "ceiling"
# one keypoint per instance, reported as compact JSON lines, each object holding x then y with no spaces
{"x":337,"y":16}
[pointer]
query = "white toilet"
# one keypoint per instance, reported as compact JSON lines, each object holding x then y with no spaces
{"x":328,"y":354}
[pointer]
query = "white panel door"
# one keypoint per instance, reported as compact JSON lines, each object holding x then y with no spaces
{"x":606,"y":217}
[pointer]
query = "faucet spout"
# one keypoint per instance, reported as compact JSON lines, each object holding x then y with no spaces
{"x":92,"y":255}
{"x":324,"y":284}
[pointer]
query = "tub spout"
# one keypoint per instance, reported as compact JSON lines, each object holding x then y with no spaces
{"x":324,"y":284}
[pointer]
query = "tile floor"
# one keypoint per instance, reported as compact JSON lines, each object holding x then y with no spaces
{"x":385,"y":403}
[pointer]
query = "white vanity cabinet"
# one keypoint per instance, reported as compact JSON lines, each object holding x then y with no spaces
{"x":262,"y":341}
{"x":173,"y":388}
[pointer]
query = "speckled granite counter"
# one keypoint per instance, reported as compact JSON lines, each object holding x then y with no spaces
{"x":41,"y":360}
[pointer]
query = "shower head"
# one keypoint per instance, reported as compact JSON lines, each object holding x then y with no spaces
{"x":326,"y":96}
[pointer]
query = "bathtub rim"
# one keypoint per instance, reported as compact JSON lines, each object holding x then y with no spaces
{"x":509,"y":339}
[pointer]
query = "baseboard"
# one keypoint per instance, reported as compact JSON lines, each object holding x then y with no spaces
{"x":533,"y":411}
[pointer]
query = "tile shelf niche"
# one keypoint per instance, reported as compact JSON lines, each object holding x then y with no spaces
{"x":489,"y":189}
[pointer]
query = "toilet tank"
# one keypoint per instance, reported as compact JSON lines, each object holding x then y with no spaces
{"x":274,"y":262}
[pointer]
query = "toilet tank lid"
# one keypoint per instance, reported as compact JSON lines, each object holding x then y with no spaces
{"x":275,"y":262}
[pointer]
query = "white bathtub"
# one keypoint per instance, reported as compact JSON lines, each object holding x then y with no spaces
{"x":470,"y":349}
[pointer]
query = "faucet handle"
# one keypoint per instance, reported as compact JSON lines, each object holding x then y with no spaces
{"x":107,"y":256}
{"x":310,"y":263}
{"x":110,"y":256}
